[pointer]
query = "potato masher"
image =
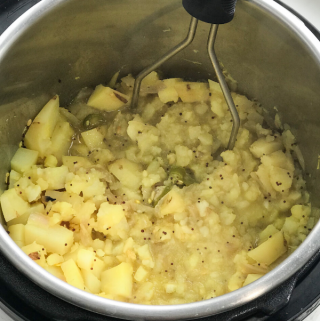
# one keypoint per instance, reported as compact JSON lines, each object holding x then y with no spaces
{"x":215,"y":12}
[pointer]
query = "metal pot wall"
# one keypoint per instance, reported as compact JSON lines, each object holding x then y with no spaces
{"x":60,"y":46}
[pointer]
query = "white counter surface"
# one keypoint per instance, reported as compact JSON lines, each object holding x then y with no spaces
{"x":310,"y":9}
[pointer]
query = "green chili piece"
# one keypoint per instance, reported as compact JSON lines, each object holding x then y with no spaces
{"x":188,"y":180}
{"x":189,"y":177}
{"x":93,"y":121}
{"x":177,"y":175}
{"x":162,"y":193}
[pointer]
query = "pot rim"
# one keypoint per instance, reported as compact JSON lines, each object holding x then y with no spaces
{"x":166,"y":312}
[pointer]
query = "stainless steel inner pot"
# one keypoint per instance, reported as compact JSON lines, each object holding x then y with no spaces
{"x":60,"y":46}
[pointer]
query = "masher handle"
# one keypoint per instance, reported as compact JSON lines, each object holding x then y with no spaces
{"x":211,"y":11}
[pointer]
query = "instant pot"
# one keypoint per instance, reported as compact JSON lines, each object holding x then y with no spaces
{"x":61,"y":46}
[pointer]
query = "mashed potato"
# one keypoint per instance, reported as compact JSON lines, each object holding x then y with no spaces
{"x":136,"y":205}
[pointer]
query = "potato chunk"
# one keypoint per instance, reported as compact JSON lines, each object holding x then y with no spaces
{"x":168,"y":94}
{"x":37,"y":208}
{"x":191,"y":92}
{"x":118,"y":280}
{"x":105,"y":98}
{"x":262,"y":147}
{"x":17,"y":234}
{"x":127,"y":172}
{"x":93,"y":139}
{"x":61,"y":140}
{"x":12,"y":205}
{"x":267,"y":232}
{"x":56,"y":239}
{"x":91,"y":282}
{"x":55,"y":177}
{"x":36,"y":252}
{"x":85,"y":259}
{"x":270,"y":250}
{"x":72,"y":274}
{"x":280,"y":178}
{"x":38,"y":136}
{"x":73,"y":162}
{"x":109,"y":215}
{"x":251,"y":278}
{"x":172,"y":203}
{"x":23,"y":159}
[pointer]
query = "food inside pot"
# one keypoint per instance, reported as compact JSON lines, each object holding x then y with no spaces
{"x":135,"y":205}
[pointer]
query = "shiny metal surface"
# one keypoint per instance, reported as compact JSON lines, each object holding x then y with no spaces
{"x":224,"y":86}
{"x":215,"y":63}
{"x":145,"y":72}
{"x":271,"y":54}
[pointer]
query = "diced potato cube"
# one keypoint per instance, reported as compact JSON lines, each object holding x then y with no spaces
{"x":118,"y":280}
{"x":38,"y":136}
{"x":105,"y":98}
{"x":93,"y":138}
{"x":127,"y":172}
{"x":170,"y":287}
{"x":267,"y":232}
{"x":172,"y":203}
{"x":79,"y":150}
{"x":263,"y":175}
{"x":270,"y":250}
{"x":55,"y":271}
{"x":16,"y":232}
{"x":91,"y":282}
{"x":39,"y":220}
{"x":23,"y":159}
{"x":217,"y":106}
{"x":108,"y":247}
{"x":37,"y":208}
{"x":55,"y":259}
{"x":236,"y":281}
{"x":51,"y":161}
{"x":64,"y":209}
{"x":61,"y":140}
{"x":191,"y":92}
{"x":227,"y":218}
{"x":300,"y":211}
{"x":13,"y":178}
{"x":102,"y":156}
{"x":33,"y":193}
{"x":72,"y":274}
{"x":151,"y":79}
{"x":55,"y":177}
{"x":168,"y":94}
{"x":98,"y":244}
{"x":73,"y":162}
{"x":36,"y":252}
{"x":129,"y":244}
{"x":141,"y":274}
{"x":290,"y":226}
{"x":263,"y":147}
{"x":85,"y":259}
{"x":280,"y":178}
{"x":12,"y":205}
{"x":97,"y":267}
{"x":145,"y":255}
{"x":56,"y":239}
{"x":251,"y":278}
{"x":215,"y":87}
{"x":278,"y":159}
{"x":109,"y":215}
